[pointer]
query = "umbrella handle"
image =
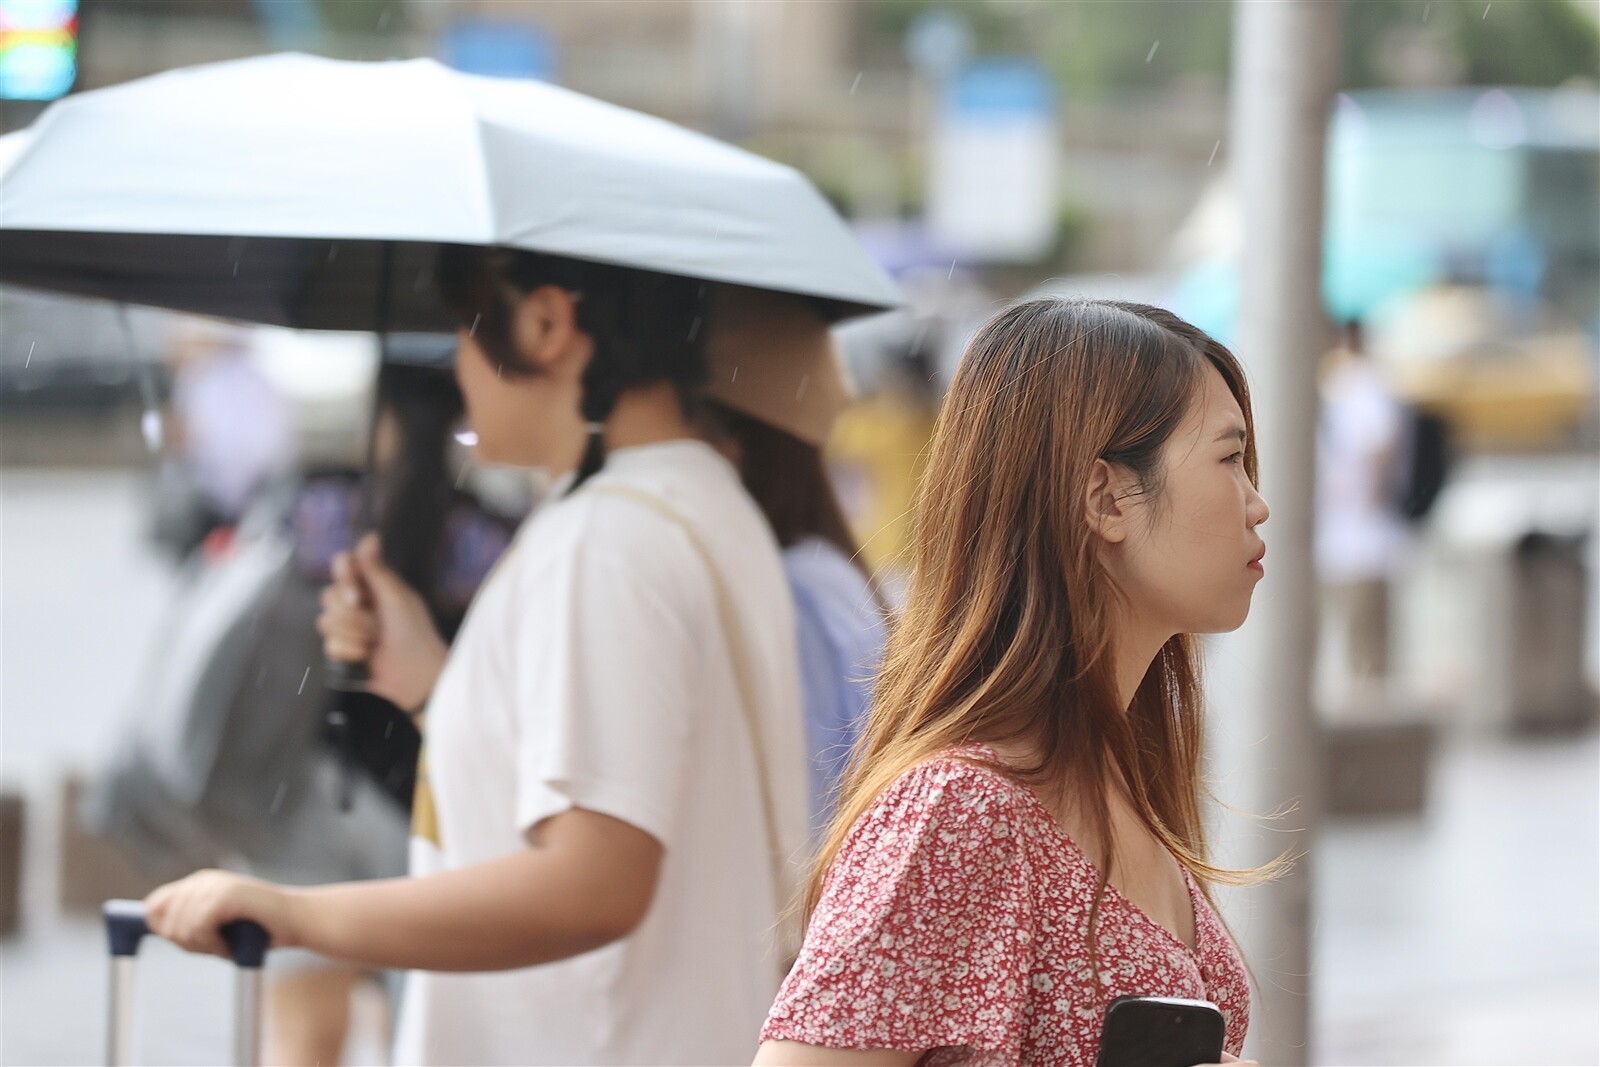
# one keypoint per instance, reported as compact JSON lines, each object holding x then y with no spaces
{"x":347,"y":676}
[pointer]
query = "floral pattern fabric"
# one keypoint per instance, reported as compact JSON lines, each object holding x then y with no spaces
{"x":955,"y":920}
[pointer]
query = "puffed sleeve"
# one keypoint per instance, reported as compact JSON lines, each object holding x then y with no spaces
{"x":924,"y":935}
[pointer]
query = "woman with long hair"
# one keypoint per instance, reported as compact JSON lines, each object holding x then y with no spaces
{"x":1020,"y":837}
{"x":777,"y":388}
{"x":614,"y":780}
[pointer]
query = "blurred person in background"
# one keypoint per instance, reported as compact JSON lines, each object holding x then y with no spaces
{"x":228,"y":435}
{"x":614,"y":779}
{"x":1361,"y":532}
{"x":443,"y":542}
{"x":238,"y":754}
{"x":777,"y":388}
{"x":1021,"y":838}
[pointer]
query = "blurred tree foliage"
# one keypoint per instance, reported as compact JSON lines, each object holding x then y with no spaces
{"x":380,"y":17}
{"x":1101,"y":46}
{"x":1521,"y":42}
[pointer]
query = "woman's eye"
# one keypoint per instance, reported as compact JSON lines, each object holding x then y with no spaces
{"x":1235,"y":458}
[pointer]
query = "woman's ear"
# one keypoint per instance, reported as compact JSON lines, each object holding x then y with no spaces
{"x":1106,"y":502}
{"x":544,"y":327}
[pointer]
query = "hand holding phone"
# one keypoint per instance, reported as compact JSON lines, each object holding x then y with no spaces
{"x":1160,"y":1032}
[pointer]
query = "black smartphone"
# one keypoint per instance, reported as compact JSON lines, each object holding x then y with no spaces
{"x":1160,"y":1032}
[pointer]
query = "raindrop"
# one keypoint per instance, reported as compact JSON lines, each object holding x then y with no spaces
{"x":1426,"y":9}
{"x":1486,"y":8}
{"x":475,"y":320}
{"x":150,"y":427}
{"x":467,"y":437}
{"x":261,"y":676}
{"x":277,"y":798}
{"x":952,"y":272}
{"x":30,"y":355}
{"x":383,"y":20}
{"x":694,"y":328}
{"x":735,"y":375}
{"x":333,"y":252}
{"x":805,"y":379}
{"x":855,"y":84}
{"x":235,"y":268}
{"x":1213,"y":153}
{"x":462,"y":475}
{"x":303,"y":678}
{"x":1152,"y":53}
{"x":388,"y":728}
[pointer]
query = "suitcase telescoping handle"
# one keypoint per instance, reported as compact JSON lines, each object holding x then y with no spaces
{"x":247,"y":943}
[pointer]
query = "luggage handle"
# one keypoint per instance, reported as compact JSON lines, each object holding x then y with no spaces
{"x":247,"y":944}
{"x":126,"y":928}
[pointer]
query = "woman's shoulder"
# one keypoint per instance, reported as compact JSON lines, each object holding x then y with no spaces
{"x":960,"y":786}
{"x":642,"y":497}
{"x":956,"y":828}
{"x":604,"y":522}
{"x":812,"y":561}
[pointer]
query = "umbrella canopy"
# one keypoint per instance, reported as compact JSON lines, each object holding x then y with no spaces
{"x":297,"y":191}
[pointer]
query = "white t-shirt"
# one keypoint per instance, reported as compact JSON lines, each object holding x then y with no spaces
{"x":593,"y":671}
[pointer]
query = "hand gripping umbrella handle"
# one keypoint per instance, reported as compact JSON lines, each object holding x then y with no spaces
{"x":347,"y":676}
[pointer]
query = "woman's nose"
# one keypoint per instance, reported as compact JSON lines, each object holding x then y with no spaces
{"x":1257,"y":512}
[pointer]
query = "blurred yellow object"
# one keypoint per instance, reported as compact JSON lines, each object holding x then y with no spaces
{"x":878,"y":452}
{"x":1533,"y":396}
{"x":1451,"y":350}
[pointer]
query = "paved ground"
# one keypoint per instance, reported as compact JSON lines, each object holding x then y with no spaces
{"x":1467,"y":936}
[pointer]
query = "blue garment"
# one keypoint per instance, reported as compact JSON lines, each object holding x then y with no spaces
{"x":841,"y":634}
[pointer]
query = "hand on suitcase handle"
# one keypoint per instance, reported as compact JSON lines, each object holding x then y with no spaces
{"x":192,"y":912}
{"x":126,"y":927}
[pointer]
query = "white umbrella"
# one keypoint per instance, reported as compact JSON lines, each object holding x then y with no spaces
{"x":312,"y":192}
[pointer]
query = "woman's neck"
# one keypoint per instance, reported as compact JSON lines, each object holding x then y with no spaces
{"x":1133,"y":650}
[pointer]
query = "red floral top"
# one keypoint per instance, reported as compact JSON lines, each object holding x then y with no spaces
{"x":955,"y":920}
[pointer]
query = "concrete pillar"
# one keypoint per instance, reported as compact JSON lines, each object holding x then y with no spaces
{"x":1285,"y":64}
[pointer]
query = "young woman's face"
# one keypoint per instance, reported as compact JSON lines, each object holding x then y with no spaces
{"x":1194,"y":556}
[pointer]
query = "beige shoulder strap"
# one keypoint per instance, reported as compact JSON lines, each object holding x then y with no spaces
{"x":788,"y":931}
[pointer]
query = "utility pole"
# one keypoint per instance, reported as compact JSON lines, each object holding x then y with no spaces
{"x":1285,"y":69}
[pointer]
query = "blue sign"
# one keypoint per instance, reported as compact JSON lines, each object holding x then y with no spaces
{"x":499,"y":48}
{"x":997,"y":87}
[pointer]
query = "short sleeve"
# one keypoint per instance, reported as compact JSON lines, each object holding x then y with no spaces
{"x":923,"y":938}
{"x":605,"y":667}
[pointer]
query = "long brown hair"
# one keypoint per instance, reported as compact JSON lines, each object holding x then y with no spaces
{"x":1007,"y":629}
